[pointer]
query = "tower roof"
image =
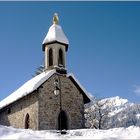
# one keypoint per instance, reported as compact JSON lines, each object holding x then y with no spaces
{"x":55,"y":33}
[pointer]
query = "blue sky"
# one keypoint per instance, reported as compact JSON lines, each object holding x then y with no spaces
{"x":104,"y":50}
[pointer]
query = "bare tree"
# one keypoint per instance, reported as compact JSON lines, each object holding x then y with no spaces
{"x":97,"y":114}
{"x":138,"y":107}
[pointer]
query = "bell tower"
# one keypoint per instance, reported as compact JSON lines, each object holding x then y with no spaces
{"x":55,"y":46}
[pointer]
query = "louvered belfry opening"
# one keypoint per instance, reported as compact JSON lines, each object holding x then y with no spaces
{"x":50,"y":57}
{"x":60,"y":59}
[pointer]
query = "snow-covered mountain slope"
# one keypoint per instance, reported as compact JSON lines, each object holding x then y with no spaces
{"x":114,"y":112}
{"x":116,"y":104}
{"x":111,"y":134}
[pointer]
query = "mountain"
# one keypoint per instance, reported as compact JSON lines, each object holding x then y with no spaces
{"x":111,"y":113}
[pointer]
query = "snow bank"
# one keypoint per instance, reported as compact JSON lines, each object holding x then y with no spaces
{"x":111,"y":134}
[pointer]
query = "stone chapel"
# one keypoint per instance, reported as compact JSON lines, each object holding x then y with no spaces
{"x":52,"y":100}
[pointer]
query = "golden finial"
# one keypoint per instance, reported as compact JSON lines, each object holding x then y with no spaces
{"x":55,"y":18}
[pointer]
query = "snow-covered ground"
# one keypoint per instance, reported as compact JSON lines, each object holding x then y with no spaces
{"x":111,"y":134}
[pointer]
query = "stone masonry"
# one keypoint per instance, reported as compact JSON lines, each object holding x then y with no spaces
{"x":43,"y":107}
{"x":49,"y":104}
{"x":14,"y":114}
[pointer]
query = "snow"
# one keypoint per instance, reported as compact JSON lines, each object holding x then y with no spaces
{"x":55,"y":33}
{"x":116,"y":101}
{"x":118,"y":104}
{"x":27,"y":88}
{"x":111,"y":134}
{"x":138,"y":116}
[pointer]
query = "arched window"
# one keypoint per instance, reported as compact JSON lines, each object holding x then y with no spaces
{"x":27,"y":121}
{"x":50,"y":57}
{"x":60,"y":58}
{"x":62,"y":121}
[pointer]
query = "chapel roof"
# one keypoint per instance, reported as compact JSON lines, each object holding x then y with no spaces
{"x":36,"y":82}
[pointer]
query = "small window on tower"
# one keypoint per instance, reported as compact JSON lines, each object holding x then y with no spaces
{"x":60,"y":58}
{"x":50,"y":57}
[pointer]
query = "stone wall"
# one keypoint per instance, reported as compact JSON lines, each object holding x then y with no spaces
{"x":14,"y":114}
{"x":43,"y":107}
{"x":49,"y":104}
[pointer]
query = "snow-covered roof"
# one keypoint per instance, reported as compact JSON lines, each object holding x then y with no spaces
{"x":55,"y":33}
{"x":32,"y":85}
{"x":27,"y":88}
